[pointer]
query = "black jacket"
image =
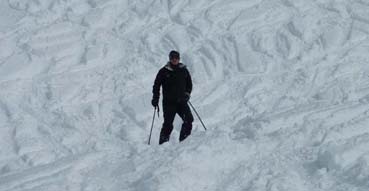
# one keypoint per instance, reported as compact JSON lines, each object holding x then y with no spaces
{"x":176,"y":82}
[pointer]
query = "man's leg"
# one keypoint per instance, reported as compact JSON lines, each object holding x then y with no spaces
{"x":185,"y":112}
{"x":169,"y":111}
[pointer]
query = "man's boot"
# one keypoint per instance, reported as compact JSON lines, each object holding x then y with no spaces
{"x":165,"y":134}
{"x":185,"y":131}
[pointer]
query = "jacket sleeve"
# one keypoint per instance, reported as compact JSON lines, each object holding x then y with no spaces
{"x":157,"y":83}
{"x":188,"y":82}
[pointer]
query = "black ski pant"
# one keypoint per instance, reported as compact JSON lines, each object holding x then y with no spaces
{"x":170,"y":110}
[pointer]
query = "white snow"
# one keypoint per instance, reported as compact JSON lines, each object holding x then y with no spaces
{"x":283,"y":87}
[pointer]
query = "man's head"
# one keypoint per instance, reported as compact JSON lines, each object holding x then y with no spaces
{"x":174,"y":57}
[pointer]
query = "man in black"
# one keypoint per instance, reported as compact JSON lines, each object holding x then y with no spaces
{"x":177,"y":86}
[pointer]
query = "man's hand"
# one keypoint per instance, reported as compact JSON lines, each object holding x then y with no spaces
{"x":155,"y":102}
{"x":187,"y":96}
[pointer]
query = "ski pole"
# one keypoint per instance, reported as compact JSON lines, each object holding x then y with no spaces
{"x":197,"y":115}
{"x":152,"y":124}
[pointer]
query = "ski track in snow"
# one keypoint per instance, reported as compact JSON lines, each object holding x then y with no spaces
{"x":281,"y":85}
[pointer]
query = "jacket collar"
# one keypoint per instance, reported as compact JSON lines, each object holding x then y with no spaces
{"x":170,"y":68}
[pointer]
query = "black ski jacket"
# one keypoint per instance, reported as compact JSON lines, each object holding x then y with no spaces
{"x":176,"y":83}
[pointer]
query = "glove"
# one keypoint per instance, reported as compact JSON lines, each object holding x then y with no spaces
{"x":187,"y":96}
{"x":155,"y":102}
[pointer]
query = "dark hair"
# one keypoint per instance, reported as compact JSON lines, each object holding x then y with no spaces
{"x":174,"y":54}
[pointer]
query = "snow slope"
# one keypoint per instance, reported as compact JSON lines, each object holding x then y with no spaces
{"x":283,"y":87}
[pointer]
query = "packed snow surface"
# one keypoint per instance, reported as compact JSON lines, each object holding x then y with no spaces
{"x":281,"y":85}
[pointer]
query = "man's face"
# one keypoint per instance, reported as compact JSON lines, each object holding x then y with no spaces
{"x":174,"y":61}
